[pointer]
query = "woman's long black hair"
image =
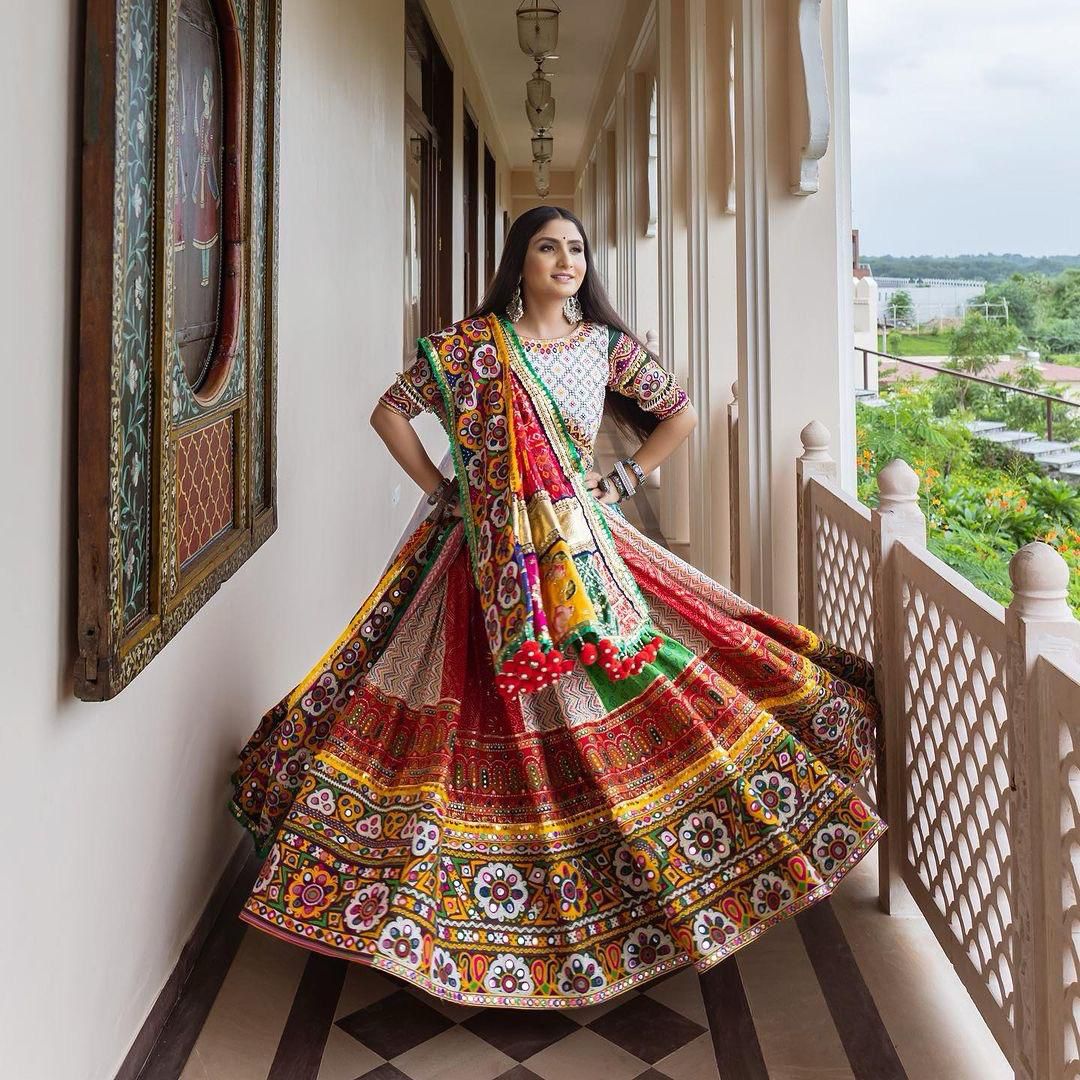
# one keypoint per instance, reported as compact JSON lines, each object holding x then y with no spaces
{"x":595,"y":305}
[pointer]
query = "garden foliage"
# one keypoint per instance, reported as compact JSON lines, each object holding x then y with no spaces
{"x":979,"y":509}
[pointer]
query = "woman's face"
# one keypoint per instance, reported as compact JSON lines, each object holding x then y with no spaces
{"x":554,"y":266}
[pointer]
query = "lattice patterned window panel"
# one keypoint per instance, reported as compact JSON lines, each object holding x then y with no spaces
{"x":843,"y":587}
{"x":177,"y":351}
{"x":956,"y":756}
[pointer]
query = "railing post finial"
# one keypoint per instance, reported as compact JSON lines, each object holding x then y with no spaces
{"x":815,"y":463}
{"x":898,"y":486}
{"x":1040,"y":579}
{"x":815,"y":441}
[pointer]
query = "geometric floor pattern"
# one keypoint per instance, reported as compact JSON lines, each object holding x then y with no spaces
{"x":643,"y":1034}
{"x":840,"y":992}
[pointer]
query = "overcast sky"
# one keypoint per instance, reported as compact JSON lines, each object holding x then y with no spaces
{"x":965,"y":126}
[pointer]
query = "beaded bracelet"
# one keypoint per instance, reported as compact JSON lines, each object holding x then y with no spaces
{"x":638,"y":471}
{"x":619,"y":482}
{"x":443,"y":493}
{"x":620,"y":478}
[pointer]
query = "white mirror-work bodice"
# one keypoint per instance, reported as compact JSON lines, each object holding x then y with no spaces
{"x":575,"y":369}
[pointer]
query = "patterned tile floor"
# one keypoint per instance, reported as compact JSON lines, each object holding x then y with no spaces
{"x":410,"y":1035}
{"x":842,"y":991}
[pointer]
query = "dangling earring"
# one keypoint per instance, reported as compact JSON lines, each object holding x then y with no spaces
{"x":515,"y":309}
{"x":571,"y":310}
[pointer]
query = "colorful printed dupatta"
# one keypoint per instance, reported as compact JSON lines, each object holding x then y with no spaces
{"x":543,"y":559}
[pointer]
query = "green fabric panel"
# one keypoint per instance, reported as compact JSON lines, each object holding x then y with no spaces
{"x":594,"y":586}
{"x":672,"y":658}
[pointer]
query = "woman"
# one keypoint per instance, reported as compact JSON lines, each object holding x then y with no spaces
{"x":548,"y":760}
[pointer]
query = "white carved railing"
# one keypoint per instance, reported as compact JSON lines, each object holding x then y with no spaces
{"x":834,"y":600}
{"x":955,"y":750}
{"x":835,"y":581}
{"x":980,"y":779}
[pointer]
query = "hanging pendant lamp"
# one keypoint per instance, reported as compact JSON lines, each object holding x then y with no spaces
{"x":538,"y":27}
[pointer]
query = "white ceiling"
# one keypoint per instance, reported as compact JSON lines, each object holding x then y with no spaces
{"x":587,"y":31}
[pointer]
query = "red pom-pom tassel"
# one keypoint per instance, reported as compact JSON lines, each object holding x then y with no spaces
{"x":530,"y":669}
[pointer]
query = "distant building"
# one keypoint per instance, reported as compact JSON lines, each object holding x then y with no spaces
{"x":931,"y":298}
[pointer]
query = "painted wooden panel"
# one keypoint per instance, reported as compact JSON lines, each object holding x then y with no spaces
{"x":178,"y":350}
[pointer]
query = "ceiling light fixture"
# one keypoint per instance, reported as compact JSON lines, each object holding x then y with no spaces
{"x":538,"y":28}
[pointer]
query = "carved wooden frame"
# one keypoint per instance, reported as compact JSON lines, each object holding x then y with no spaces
{"x":138,"y":416}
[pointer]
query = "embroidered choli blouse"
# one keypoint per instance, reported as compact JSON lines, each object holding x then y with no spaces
{"x":577,"y":370}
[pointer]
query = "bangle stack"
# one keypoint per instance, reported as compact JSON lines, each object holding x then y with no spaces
{"x":622,"y":480}
{"x":444,"y":495}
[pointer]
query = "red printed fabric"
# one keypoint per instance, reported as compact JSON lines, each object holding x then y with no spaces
{"x":559,"y":848}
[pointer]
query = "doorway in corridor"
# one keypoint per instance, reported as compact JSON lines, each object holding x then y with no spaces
{"x":428,"y":207}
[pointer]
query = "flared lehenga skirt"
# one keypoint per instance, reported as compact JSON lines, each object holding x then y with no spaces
{"x":562,"y":849}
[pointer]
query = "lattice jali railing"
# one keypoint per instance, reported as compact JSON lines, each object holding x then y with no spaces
{"x":1060,"y":692}
{"x":956,"y":758}
{"x":842,"y":582}
{"x":980,"y":780}
{"x":835,"y":575}
{"x":1070,"y":893}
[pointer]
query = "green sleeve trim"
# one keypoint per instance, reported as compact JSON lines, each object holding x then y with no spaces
{"x":455,"y":449}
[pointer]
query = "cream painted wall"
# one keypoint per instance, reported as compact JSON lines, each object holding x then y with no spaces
{"x":523,"y":191}
{"x":712,"y":310}
{"x":692,"y":282}
{"x":629,"y":29}
{"x":811,"y":295}
{"x":675,"y":491}
{"x":646,"y":254}
{"x":115,"y":813}
{"x":650,"y":44}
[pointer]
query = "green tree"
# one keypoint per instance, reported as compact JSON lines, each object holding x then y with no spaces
{"x":1060,"y":335}
{"x":976,"y":344}
{"x":986,"y":267}
{"x":900,"y":308}
{"x":1024,"y":413}
{"x":1064,"y":295}
{"x":1022,"y":292}
{"x":978,"y":512}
